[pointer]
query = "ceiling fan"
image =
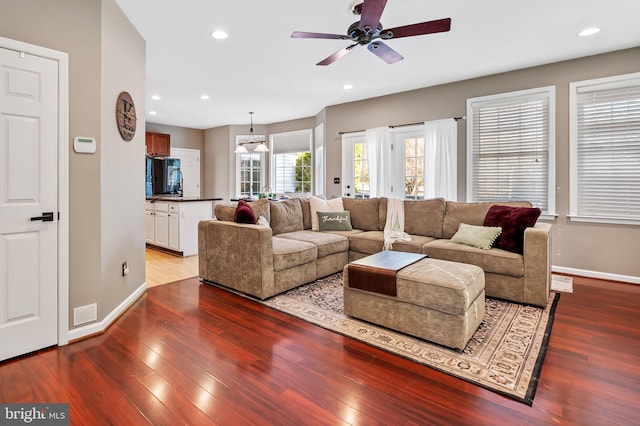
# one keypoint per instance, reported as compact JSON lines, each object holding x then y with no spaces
{"x":368,"y":30}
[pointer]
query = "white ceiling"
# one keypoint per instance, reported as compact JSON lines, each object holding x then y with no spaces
{"x":260,"y":68}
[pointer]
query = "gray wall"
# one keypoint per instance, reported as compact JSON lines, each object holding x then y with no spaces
{"x":610,"y":249}
{"x":181,"y":137}
{"x":106,"y":189}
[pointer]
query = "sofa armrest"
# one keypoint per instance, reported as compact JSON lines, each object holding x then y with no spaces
{"x":239,"y":256}
{"x":537,"y":264}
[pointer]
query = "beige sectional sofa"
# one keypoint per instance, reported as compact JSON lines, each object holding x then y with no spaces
{"x":263,"y":261}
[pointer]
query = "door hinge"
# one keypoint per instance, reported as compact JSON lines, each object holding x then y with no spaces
{"x":58,"y":215}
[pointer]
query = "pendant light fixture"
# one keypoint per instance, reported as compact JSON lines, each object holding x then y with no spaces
{"x":262,"y":147}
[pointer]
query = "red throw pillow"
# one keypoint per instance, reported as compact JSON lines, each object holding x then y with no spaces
{"x":513,"y":221}
{"x":244,"y":213}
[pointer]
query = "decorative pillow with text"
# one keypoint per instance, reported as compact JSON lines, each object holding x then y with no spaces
{"x":320,"y":205}
{"x":334,"y":221}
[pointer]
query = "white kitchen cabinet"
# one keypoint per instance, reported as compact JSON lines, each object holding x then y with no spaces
{"x":162,"y":229}
{"x":174,"y":232}
{"x":175,"y":224}
{"x":149,"y":222}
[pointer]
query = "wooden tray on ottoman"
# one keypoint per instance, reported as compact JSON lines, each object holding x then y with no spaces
{"x":377,"y":273}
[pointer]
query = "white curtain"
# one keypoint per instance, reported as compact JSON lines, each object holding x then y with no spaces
{"x":441,"y":147}
{"x":378,"y":167}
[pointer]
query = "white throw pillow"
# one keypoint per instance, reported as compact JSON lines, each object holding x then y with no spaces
{"x":320,"y":205}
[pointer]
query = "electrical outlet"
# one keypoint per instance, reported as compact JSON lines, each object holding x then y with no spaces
{"x":125,"y":269}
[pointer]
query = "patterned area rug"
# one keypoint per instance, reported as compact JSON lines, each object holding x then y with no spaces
{"x":504,"y":355}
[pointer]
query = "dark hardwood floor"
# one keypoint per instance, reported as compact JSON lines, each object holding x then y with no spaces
{"x":188,"y":353}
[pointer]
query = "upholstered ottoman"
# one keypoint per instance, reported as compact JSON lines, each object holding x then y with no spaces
{"x":436,"y":300}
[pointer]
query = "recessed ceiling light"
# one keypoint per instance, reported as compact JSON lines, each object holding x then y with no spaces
{"x":219,"y":35}
{"x":152,"y":113}
{"x":347,"y":87}
{"x":589,"y":31}
{"x":204,"y":97}
{"x":155,"y":97}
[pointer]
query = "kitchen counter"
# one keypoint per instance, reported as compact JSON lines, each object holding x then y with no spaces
{"x":176,"y":198}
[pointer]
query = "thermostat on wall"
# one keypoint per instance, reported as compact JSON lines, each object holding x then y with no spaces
{"x":84,"y":145}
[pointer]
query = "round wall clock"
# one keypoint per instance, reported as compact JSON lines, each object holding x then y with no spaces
{"x":126,"y":116}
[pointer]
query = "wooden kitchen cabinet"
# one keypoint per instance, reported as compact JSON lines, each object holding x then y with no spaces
{"x":158,"y":144}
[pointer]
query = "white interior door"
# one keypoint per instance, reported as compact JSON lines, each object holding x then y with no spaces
{"x":28,"y":190}
{"x":190,"y":167}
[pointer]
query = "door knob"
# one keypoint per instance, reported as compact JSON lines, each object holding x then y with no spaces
{"x":46,"y":217}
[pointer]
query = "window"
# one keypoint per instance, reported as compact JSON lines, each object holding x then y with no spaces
{"x":410,"y":149}
{"x":605,"y":149}
{"x":250,"y":174}
{"x":292,"y":172}
{"x":249,"y":168}
{"x":319,"y":169}
{"x":511,"y":148}
{"x":355,"y":166}
{"x":290,"y":166}
{"x":360,"y":170}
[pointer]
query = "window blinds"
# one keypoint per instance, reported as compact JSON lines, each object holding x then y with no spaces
{"x":510,"y":149}
{"x":608,"y":150}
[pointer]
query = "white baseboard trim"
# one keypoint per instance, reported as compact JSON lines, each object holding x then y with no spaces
{"x":596,"y":274}
{"x":99,"y":327}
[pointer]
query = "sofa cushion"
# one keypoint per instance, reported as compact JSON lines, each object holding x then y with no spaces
{"x":346,"y":234}
{"x":495,"y":261}
{"x":513,"y":221}
{"x":369,"y":242}
{"x":334,"y":221}
{"x":288,"y":253}
{"x":286,"y":216}
{"x":382,"y":213}
{"x":306,"y":212}
{"x":261,"y":208}
{"x":224,"y":212}
{"x":320,"y":205}
{"x":470,"y":213}
{"x":412,"y":246}
{"x":364,"y":213}
{"x":424,"y":217}
{"x":244,"y":213}
{"x":326,"y":243}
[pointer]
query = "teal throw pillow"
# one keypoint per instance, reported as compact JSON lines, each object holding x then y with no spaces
{"x":334,"y":221}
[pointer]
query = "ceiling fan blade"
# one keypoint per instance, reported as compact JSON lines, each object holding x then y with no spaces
{"x":384,"y":52}
{"x":370,"y":15}
{"x":303,"y":34}
{"x":430,"y":27}
{"x":339,"y":54}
